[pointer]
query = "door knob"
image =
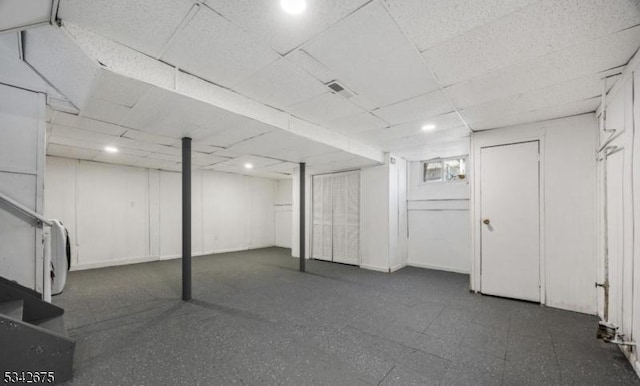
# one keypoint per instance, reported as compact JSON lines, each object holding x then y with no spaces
{"x":486,"y":221}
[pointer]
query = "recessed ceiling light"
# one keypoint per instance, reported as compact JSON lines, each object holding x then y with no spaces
{"x":428,"y":127}
{"x":110,"y":149}
{"x":248,"y":166}
{"x":293,"y":7}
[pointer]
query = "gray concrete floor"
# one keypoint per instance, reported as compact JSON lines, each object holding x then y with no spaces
{"x":256,"y":320}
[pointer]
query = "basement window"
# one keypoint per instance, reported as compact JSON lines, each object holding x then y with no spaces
{"x":444,"y":169}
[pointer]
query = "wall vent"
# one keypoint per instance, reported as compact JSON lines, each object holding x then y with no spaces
{"x":339,"y":89}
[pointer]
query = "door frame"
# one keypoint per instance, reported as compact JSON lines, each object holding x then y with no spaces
{"x":492,"y":138}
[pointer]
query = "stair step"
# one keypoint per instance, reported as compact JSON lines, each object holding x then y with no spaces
{"x":12,"y":308}
{"x":55,"y":324}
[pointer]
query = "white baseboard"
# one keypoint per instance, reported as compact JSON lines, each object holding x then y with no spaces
{"x":633,"y":359}
{"x":397,"y":267}
{"x":439,"y":268}
{"x":147,"y":259}
{"x":374,"y":268}
{"x":113,"y":263}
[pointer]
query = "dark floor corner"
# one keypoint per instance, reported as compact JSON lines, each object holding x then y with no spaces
{"x":256,"y":320}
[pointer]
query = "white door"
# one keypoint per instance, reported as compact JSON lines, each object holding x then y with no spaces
{"x":322,"y":236}
{"x":510,"y":195}
{"x":346,"y":218}
{"x":336,"y":217}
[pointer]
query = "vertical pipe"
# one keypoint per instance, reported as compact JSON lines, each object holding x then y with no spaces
{"x":186,"y":218}
{"x":605,"y":219}
{"x":302,"y":219}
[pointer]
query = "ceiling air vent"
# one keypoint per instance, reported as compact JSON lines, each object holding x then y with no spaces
{"x":339,"y":89}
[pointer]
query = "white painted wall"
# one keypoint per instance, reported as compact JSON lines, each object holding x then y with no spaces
{"x":568,"y":207}
{"x":439,"y":228}
{"x":398,"y":241}
{"x":120,"y":214}
{"x":22,"y":133}
{"x":374,"y":218}
{"x":283,"y":213}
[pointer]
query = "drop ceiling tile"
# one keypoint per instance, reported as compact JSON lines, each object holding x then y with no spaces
{"x":215,"y":49}
{"x":201,"y":148}
{"x":583,"y":59}
{"x":257,"y":162}
{"x":281,"y":84}
{"x":443,"y":123}
{"x":334,"y":156}
{"x":282,"y":31}
{"x":553,"y":112}
{"x":145,"y":25}
{"x":353,"y":163}
{"x":96,"y":141}
{"x":61,"y":61}
{"x":151,"y":163}
{"x":357,"y":123}
{"x":282,"y":167}
{"x":372,"y":57}
{"x":550,"y":97}
{"x":304,"y":151}
{"x":79,"y":134}
{"x":202,"y":159}
{"x":265,"y":174}
{"x":226,"y":153}
{"x":102,"y":110}
{"x":75,"y":121}
{"x":166,"y":157}
{"x":119,"y":58}
{"x":126,"y":143}
{"x":305,"y":61}
{"x":535,"y":31}
{"x":269,"y":143}
{"x":57,"y":150}
{"x":144,"y":136}
{"x":169,"y":114}
{"x":421,"y":107}
{"x":74,"y":142}
{"x":236,"y":133}
{"x":448,"y":18}
{"x":119,"y":89}
{"x":438,"y":150}
{"x":119,"y":159}
{"x":324,"y":108}
{"x":426,"y":139}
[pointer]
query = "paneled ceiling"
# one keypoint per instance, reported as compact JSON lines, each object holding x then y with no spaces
{"x":460,"y":65}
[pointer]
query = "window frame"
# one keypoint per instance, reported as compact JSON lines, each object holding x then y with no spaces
{"x":442,"y":161}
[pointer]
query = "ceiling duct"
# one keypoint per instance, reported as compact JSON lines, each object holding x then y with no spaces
{"x":339,"y":89}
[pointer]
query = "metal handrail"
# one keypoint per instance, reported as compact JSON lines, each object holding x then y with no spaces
{"x":46,"y":271}
{"x":24,"y":209}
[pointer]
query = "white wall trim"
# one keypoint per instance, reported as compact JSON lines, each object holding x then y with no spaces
{"x":374,"y":268}
{"x":439,"y":268}
{"x":633,"y":359}
{"x":397,"y":267}
{"x":148,"y":259}
{"x":113,"y":263}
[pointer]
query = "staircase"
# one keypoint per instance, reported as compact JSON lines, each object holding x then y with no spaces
{"x":32,"y":334}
